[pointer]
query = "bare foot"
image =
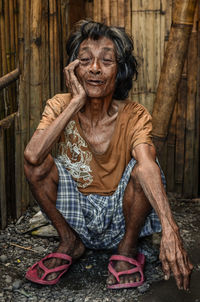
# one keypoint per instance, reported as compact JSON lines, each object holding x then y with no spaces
{"x":123,"y":266}
{"x":75,"y":250}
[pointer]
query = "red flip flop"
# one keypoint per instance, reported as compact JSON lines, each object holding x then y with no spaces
{"x":32,"y":273}
{"x":138,"y":267}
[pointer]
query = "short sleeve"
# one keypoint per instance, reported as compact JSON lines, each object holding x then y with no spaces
{"x":53,"y":109}
{"x":141,"y":127}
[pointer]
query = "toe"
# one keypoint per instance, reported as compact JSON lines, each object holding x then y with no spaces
{"x":110,"y":280}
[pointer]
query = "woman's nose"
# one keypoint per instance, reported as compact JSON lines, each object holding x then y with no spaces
{"x":95,"y":66}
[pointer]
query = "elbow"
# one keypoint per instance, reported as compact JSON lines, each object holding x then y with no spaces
{"x":30,"y":157}
{"x":149,"y":169}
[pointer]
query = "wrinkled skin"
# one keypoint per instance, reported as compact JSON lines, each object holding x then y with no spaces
{"x":91,"y":81}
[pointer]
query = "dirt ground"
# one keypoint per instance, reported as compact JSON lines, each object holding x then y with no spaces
{"x":85,"y":281}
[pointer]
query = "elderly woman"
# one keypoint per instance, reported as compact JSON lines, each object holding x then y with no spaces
{"x":102,"y":189}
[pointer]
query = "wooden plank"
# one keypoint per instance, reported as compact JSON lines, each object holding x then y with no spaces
{"x":3,"y":204}
{"x":148,"y":16}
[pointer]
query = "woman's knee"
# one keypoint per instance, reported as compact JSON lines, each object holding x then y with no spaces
{"x":40,"y":172}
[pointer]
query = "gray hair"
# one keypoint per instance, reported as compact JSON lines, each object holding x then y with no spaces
{"x":127,"y":64}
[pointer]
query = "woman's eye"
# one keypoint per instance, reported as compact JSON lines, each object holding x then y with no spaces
{"x":85,"y":60}
{"x":107,"y":60}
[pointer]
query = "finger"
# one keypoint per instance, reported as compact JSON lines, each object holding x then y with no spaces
{"x":69,"y":70}
{"x":66,"y":76}
{"x":177,"y":274}
{"x":166,"y":269}
{"x":73,"y":81}
{"x":185,"y":267}
{"x":73,"y":64}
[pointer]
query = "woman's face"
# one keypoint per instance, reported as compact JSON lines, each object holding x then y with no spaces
{"x":97,"y":69}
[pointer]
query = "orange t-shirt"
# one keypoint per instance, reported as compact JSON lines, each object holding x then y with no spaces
{"x":98,"y":173}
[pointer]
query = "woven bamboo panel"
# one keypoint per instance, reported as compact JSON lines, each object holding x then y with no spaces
{"x":149,"y":31}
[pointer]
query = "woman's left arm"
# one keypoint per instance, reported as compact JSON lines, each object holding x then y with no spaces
{"x":172,"y":254}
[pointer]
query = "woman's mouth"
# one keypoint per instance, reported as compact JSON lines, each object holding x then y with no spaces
{"x":95,"y":82}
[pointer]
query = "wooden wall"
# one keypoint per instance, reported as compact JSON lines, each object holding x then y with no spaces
{"x":33,"y":36}
{"x":8,"y":106}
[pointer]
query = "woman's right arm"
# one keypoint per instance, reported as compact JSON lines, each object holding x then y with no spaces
{"x":43,"y":141}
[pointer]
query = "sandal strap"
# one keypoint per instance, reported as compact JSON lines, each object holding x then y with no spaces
{"x":138,"y":268}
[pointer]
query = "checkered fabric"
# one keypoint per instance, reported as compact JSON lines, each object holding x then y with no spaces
{"x":98,"y":219}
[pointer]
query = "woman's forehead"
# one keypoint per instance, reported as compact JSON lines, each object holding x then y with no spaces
{"x":102,"y":43}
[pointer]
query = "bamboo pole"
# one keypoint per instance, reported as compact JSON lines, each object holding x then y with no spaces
{"x":120,"y":13}
{"x":171,"y":147}
{"x":7,"y":34}
{"x":13,"y":96}
{"x":89,"y":9}
{"x":44,"y":61}
{"x":97,"y":10}
{"x":9,"y":98}
{"x":180,"y":134}
{"x":24,"y":91}
{"x":56,"y":50}
{"x":171,"y":69}
{"x":1,"y":69}
{"x":114,"y":12}
{"x":12,"y":34}
{"x":196,"y":174}
{"x":16,"y":12}
{"x":190,"y":121}
{"x":9,"y":78}
{"x":3,"y":205}
{"x":3,"y":43}
{"x":51,"y":48}
{"x":35,"y":64}
{"x":64,"y":37}
{"x":7,"y":121}
{"x":127,"y":15}
{"x":106,"y":12}
{"x":18,"y":167}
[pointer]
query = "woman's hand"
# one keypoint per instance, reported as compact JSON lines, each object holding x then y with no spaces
{"x":73,"y":84}
{"x":174,"y":258}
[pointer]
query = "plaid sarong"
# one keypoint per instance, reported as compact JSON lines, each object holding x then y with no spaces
{"x":98,"y":220}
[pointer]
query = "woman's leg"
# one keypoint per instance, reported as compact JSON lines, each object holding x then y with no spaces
{"x":43,"y":182}
{"x":136,"y":208}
